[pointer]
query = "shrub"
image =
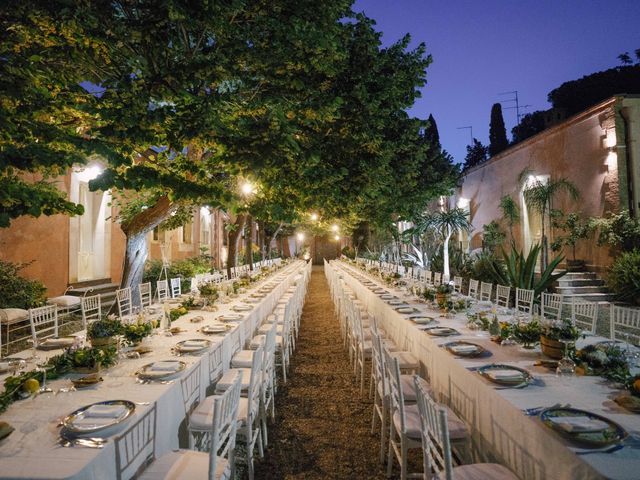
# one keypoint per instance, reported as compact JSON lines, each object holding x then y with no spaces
{"x":618,"y":230}
{"x":18,"y":292}
{"x":185,"y":269}
{"x":624,"y":276}
{"x":484,"y":267}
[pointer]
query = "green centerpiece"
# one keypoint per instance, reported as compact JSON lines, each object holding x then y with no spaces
{"x":104,"y":332}
{"x":557,"y":337}
{"x":527,"y":333}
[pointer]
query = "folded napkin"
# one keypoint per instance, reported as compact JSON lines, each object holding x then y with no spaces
{"x":505,"y":374}
{"x":422,"y":320}
{"x":165,"y":366}
{"x":193,"y":343}
{"x":464,"y":348}
{"x":105,"y":411}
{"x":579,"y":424}
{"x":58,"y":341}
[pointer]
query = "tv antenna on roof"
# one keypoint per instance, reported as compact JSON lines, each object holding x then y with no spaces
{"x":517,"y":105}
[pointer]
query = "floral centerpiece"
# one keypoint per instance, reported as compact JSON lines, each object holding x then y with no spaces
{"x":209,"y":291}
{"x":134,"y":332}
{"x":443,"y":292}
{"x":527,"y":333}
{"x":104,"y":332}
{"x":556,"y":337}
{"x":606,"y":360}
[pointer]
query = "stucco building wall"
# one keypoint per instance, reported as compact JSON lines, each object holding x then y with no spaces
{"x":588,"y":149}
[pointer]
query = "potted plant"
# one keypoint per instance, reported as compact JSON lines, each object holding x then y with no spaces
{"x":527,"y":333}
{"x":442,"y":292}
{"x":91,"y":359}
{"x":134,"y":332}
{"x":103,"y":333}
{"x":556,"y":336}
{"x":575,"y":229}
{"x":209,"y":291}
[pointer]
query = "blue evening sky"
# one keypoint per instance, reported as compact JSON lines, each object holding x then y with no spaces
{"x":482,"y":48}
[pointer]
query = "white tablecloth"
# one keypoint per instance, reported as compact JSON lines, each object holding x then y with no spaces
{"x":500,"y":429}
{"x":32,"y":451}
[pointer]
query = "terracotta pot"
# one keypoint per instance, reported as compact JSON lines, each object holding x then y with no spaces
{"x":552,"y":348}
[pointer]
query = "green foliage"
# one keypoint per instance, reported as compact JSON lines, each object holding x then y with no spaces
{"x":484,"y":266}
{"x":459,"y":261}
{"x":624,"y":276}
{"x":492,"y":236}
{"x":497,"y":132}
{"x":134,"y":332}
{"x":527,"y":333}
{"x":578,"y":95}
{"x":530,"y":124}
{"x":108,"y":327}
{"x":18,"y":292}
{"x":477,"y":153}
{"x":618,"y":230}
{"x":520,"y":271}
{"x":575,"y":228}
{"x":185,"y":269}
{"x":349,"y":252}
{"x":510,"y":212}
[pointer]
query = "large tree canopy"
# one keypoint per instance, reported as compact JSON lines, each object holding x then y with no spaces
{"x":183,"y":100}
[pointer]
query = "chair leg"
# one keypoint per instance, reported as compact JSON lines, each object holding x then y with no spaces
{"x":383,"y":429}
{"x":403,"y":458}
{"x":390,"y":451}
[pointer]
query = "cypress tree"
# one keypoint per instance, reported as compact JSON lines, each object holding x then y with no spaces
{"x":497,"y":132}
{"x":431,"y":132}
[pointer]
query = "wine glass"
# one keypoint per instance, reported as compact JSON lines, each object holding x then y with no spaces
{"x":566,"y":366}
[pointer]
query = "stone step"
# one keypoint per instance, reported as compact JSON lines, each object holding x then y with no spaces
{"x":580,"y":290}
{"x":102,"y":288}
{"x":580,"y":276}
{"x":591,"y":297}
{"x":580,"y":282}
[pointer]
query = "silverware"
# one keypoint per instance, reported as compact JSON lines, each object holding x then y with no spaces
{"x":90,"y":442}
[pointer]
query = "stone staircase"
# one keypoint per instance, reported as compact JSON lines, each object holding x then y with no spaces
{"x":583,"y":285}
{"x":104,"y":287}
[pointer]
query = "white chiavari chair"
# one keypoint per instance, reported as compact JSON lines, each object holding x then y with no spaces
{"x":176,"y":287}
{"x":486,"y":289}
{"x":503,"y":295}
{"x":552,"y":306}
{"x":162,"y":290}
{"x":585,"y":315}
{"x":625,"y":324}
{"x":436,"y":444}
{"x":135,"y":448}
{"x":457,"y":284}
{"x":144,"y":290}
{"x":44,"y":323}
{"x":473,"y":289}
{"x":524,"y":300}
{"x":91,"y":308}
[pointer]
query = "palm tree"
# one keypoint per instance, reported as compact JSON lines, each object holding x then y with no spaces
{"x":538,"y":196}
{"x":510,"y":213}
{"x":447,"y":222}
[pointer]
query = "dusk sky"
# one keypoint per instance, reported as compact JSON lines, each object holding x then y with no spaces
{"x":482,"y":48}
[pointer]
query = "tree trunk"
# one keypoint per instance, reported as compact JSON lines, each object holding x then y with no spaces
{"x":272,"y":239}
{"x":249,"y":243}
{"x":286,"y":251}
{"x":234,"y":240}
{"x":136,"y":252}
{"x":445,"y":253}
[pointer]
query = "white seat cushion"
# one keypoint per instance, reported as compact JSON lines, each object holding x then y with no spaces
{"x":242,"y":359}
{"x":406,"y":360}
{"x":227,"y":379}
{"x":183,"y":464}
{"x":264,"y":329}
{"x":9,"y":316}
{"x":457,"y":428}
{"x":65,"y":301}
{"x":482,"y":471}
{"x":259,"y":340}
{"x":201,"y":418}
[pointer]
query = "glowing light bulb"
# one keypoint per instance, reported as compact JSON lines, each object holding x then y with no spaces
{"x":337,"y":237}
{"x":247,"y":188}
{"x":300,"y":236}
{"x":314,"y":217}
{"x":334,"y":228}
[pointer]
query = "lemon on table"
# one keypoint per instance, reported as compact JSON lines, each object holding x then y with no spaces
{"x":31,"y":385}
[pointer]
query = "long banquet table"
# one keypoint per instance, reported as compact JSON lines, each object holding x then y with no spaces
{"x":32,"y":450}
{"x":500,"y":429}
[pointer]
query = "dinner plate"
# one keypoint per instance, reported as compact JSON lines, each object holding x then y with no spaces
{"x":421,"y":319}
{"x":161,"y":370}
{"x":193,"y":346}
{"x":242,"y":308}
{"x":213,"y":329}
{"x":387,"y":296}
{"x":582,"y":427}
{"x":464,"y":349}
{"x":252,"y":300}
{"x":442,"y":331}
{"x":405,"y":309}
{"x":258,"y":295}
{"x":97,"y":417}
{"x":395,"y":302}
{"x":506,"y":375}
{"x":230,"y":317}
{"x":55,"y":343}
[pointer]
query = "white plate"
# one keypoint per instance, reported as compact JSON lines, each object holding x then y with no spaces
{"x":242,"y":308}
{"x":193,"y":345}
{"x":211,"y":329}
{"x":161,"y":369}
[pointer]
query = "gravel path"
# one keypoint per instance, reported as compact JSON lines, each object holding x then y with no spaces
{"x":322,"y":428}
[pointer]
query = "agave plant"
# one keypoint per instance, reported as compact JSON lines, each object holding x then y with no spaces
{"x":519,"y":271}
